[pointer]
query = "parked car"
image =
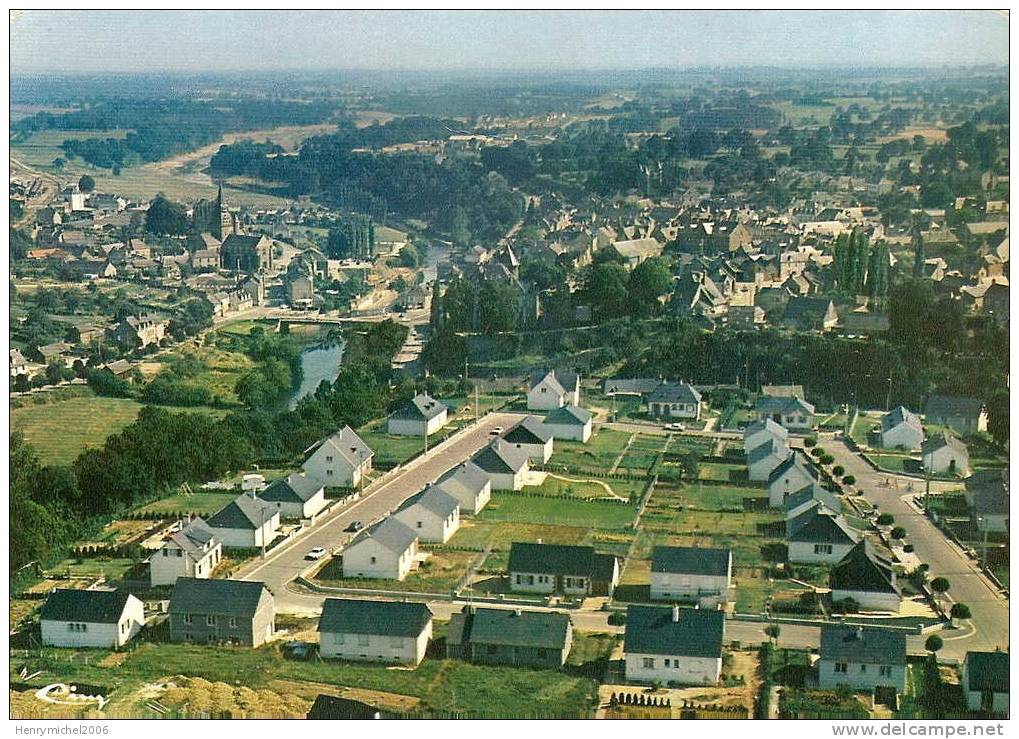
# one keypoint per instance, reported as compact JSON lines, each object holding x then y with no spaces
{"x":354,"y":526}
{"x":675,"y":427}
{"x":315,"y":554}
{"x":495,"y":431}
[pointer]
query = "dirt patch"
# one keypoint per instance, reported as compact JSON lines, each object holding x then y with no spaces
{"x":381,"y":699}
{"x":931,"y":134}
{"x":195,"y":696}
{"x":113,"y":659}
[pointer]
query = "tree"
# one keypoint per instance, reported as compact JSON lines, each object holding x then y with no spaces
{"x":58,"y":163}
{"x":166,"y":217}
{"x":933,"y":644}
{"x":460,"y":230}
{"x":497,"y":307}
{"x":885,"y":519}
{"x":919,"y":253}
{"x":648,"y":282}
{"x":409,"y":256}
{"x":606,"y":290}
{"x":772,"y":631}
{"x":960,"y":611}
{"x":940,"y":586}
{"x":86,"y":183}
{"x":898,"y":532}
{"x":877,"y":271}
{"x":997,"y":416}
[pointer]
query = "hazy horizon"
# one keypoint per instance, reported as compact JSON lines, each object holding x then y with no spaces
{"x":57,"y":42}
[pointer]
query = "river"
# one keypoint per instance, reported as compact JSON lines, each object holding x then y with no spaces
{"x":317,"y":363}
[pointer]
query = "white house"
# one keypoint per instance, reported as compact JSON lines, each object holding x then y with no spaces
{"x":988,"y":500}
{"x":867,"y":579}
{"x":794,"y":413}
{"x":861,"y":658}
{"x":985,"y":682}
{"x":434,"y":515}
{"x":944,"y":454}
{"x":192,"y":550}
{"x":570,"y":423}
{"x":91,"y":618}
{"x":505,"y":464}
{"x":553,"y":390}
{"x":561,"y":568}
{"x":469,"y":484}
{"x":245,"y":523}
{"x":422,"y":415}
{"x":681,"y":646}
{"x":762,"y":460}
{"x":385,"y":550}
{"x":820,"y":536}
{"x":19,"y":365}
{"x":533,"y":437}
{"x":691,"y":574}
{"x":374,"y":630}
{"x":674,"y":400}
{"x":296,"y":496}
{"x":789,"y":477}
{"x":761,"y":431}
{"x":340,"y":460}
{"x":900,"y":429}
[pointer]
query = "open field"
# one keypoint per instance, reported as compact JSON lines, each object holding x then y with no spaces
{"x":598,"y":453}
{"x":563,"y":511}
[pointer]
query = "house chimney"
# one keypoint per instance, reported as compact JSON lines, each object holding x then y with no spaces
{"x":675,"y":614}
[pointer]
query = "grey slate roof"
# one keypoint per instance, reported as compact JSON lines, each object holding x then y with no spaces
{"x":420,"y":408}
{"x":243,"y":512}
{"x":696,"y":633}
{"x":768,"y":448}
{"x":813,"y":492}
{"x":566,"y":381}
{"x":194,"y":537}
{"x":560,"y":559}
{"x":569,"y":415}
{"x":691,"y":560}
{"x":501,"y":457}
{"x":941,"y":406}
{"x":216,"y":597}
{"x":517,"y":628}
{"x":679,"y":392}
{"x":862,"y":570}
{"x":939,"y":441}
{"x":466,"y":477}
{"x":635,"y":386}
{"x":294,"y":488}
{"x":378,"y":617}
{"x":433,"y":499}
{"x":775,"y":429}
{"x":85,"y":606}
{"x":987,"y":671}
{"x":790,"y":463}
{"x":863,"y":644}
{"x":529,"y":431}
{"x":898,"y":415}
{"x":989,"y":492}
{"x":390,"y":533}
{"x":819,"y":526}
{"x":347,"y":444}
{"x":769,"y":404}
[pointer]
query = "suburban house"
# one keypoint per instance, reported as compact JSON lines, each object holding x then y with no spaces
{"x":691,"y":574}
{"x":762,"y":460}
{"x":987,"y":498}
{"x":900,"y":429}
{"x":553,"y":390}
{"x":810,"y":314}
{"x":374,"y":630}
{"x":140,"y":331}
{"x":90,"y":618}
{"x":818,"y":535}
{"x":635,"y":251}
{"x":469,"y":484}
{"x":385,"y":550}
{"x":505,"y":464}
{"x":962,"y":415}
{"x":861,"y":658}
{"x":789,"y":477}
{"x":674,"y":400}
{"x":433,"y":514}
{"x":532,"y":436}
{"x":501,"y":636}
{"x":801,"y":500}
{"x":422,"y":415}
{"x":761,"y":431}
{"x":867,"y":579}
{"x":943,"y":453}
{"x":221,"y":612}
{"x":794,"y":413}
{"x":245,"y":523}
{"x":561,"y":568}
{"x":19,"y":365}
{"x":985,"y":682}
{"x":340,"y":460}
{"x":192,"y":550}
{"x":295,"y":496}
{"x":630,"y":386}
{"x":673,"y":645}
{"x":570,"y":422}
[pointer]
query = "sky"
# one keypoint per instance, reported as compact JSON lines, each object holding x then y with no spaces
{"x":45,"y":41}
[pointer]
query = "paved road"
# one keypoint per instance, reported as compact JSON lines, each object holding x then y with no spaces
{"x":287,"y":561}
{"x":969,"y":586}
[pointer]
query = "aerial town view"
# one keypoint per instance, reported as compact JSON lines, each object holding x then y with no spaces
{"x":509,"y":365}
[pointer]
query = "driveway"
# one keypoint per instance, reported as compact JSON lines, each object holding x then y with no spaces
{"x":890,"y":494}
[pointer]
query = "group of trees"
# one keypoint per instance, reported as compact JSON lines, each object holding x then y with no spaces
{"x":352,"y":238}
{"x":612,"y":292}
{"x":860,"y":268}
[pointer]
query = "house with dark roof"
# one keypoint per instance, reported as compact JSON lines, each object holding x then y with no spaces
{"x":562,"y":569}
{"x":385,"y":550}
{"x":985,"y":682}
{"x":810,"y":314}
{"x":553,"y":389}
{"x":630,"y":386}
{"x":793,"y":413}
{"x":673,"y":646}
{"x":762,"y":431}
{"x":191,"y":550}
{"x":505,"y":464}
{"x":962,"y":415}
{"x":433,"y":514}
{"x":789,"y":477}
{"x":340,"y":460}
{"x":295,"y":496}
{"x":90,"y":618}
{"x":421,"y":415}
{"x":221,"y":612}
{"x":503,"y":636}
{"x":861,"y":658}
{"x":900,"y":429}
{"x":818,"y":535}
{"x":988,"y":499}
{"x":570,"y":422}
{"x":866,"y":578}
{"x":332,"y":708}
{"x":801,"y":500}
{"x":374,"y":630}
{"x":245,"y":523}
{"x":763,"y":459}
{"x":694,"y":574}
{"x":533,"y":437}
{"x":469,"y":484}
{"x":674,"y":400}
{"x":944,"y":454}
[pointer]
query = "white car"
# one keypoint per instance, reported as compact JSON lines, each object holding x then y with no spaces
{"x":315,"y":554}
{"x":495,"y":431}
{"x":675,"y":427}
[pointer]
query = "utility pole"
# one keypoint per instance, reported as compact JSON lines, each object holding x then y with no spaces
{"x":888,"y":398}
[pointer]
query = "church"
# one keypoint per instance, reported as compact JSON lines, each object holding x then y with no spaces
{"x":213,"y":217}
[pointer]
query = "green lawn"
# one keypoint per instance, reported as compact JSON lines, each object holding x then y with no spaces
{"x":562,"y":511}
{"x":598,"y":453}
{"x":594,"y":488}
{"x":722,"y":471}
{"x":202,"y":504}
{"x":112,"y":568}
